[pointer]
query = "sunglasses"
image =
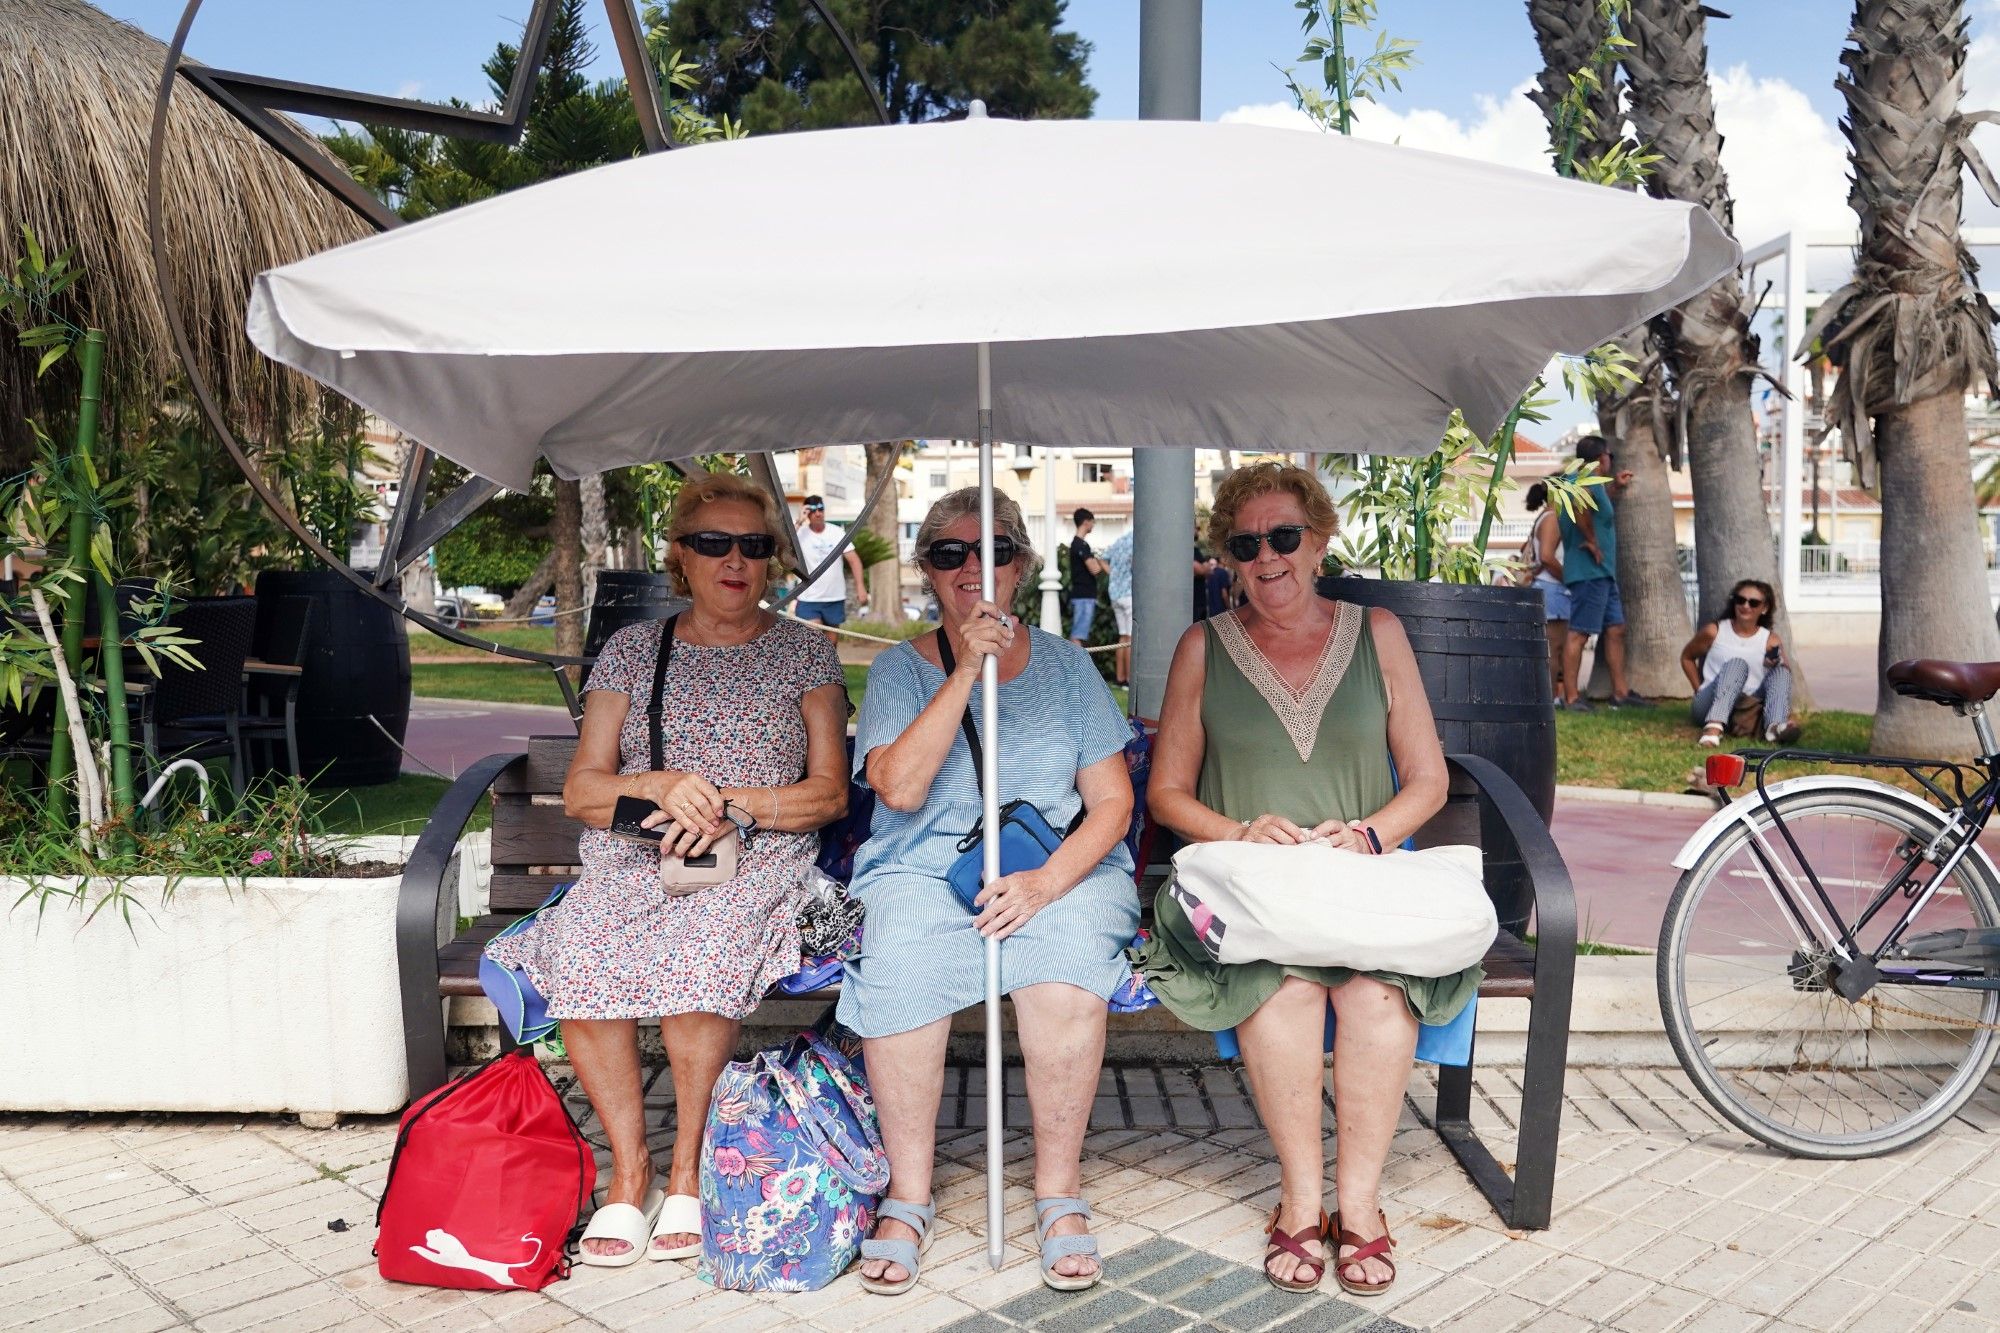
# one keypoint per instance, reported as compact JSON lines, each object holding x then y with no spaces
{"x":952,"y":553}
{"x":715,"y":545}
{"x":1284,"y":540}
{"x":1748,"y":601}
{"x":815,"y":509}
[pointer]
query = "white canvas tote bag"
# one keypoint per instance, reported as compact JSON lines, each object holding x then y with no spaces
{"x":1425,"y":913}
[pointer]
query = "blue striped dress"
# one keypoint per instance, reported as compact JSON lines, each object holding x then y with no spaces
{"x":921,"y":959}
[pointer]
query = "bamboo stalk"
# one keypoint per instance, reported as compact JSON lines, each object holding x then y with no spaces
{"x":1502,"y":456}
{"x":111,"y":653}
{"x":1343,"y":95}
{"x":89,"y":786}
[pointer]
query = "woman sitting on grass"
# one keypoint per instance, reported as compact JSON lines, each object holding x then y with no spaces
{"x":1739,"y":656}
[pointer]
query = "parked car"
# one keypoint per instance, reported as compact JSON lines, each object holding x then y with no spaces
{"x":455,"y":606}
{"x":544,"y":612}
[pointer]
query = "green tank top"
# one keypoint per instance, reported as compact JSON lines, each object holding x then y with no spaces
{"x":1264,"y":755}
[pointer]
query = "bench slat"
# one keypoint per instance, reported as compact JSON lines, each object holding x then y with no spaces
{"x":547,"y":766}
{"x":526,"y":833}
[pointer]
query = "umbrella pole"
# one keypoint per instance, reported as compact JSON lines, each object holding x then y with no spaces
{"x":989,"y":762}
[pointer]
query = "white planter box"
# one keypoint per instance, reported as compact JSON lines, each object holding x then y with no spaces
{"x":265,"y":995}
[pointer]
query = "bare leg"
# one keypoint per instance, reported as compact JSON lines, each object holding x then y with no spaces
{"x":605,"y":1055}
{"x":698,"y":1046}
{"x":1558,"y":632}
{"x":1062,"y":1045}
{"x":906,"y":1074}
{"x":1284,"y":1056}
{"x":1614,"y":657}
{"x":1374,"y":1041}
{"x":1573,"y":664}
{"x":1122,"y":659}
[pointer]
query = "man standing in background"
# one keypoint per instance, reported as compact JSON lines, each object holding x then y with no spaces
{"x":1590,"y":570}
{"x":1084,"y":567}
{"x":825,"y":599}
{"x":1118,"y":560}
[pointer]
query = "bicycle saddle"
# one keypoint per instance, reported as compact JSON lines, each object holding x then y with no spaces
{"x":1946,"y":682}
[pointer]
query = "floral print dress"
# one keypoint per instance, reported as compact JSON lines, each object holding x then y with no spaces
{"x":617,"y":946}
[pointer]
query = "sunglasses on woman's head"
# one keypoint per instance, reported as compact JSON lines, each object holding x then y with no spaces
{"x":1284,"y":539}
{"x":715,"y":545}
{"x":952,"y":553}
{"x":1748,"y":601}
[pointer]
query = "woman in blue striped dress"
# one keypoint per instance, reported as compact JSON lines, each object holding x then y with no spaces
{"x":1064,"y":927}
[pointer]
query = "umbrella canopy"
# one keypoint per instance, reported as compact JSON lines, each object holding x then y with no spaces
{"x":1139,"y":283}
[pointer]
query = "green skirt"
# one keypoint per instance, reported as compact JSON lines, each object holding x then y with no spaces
{"x":1213,"y":997}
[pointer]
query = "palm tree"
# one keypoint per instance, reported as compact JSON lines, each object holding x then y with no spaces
{"x":1707,"y":348}
{"x":1572,"y":35}
{"x":1911,"y":334}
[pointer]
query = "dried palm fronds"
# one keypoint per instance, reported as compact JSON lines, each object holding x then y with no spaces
{"x":1912,"y":324}
{"x":76,"y":105}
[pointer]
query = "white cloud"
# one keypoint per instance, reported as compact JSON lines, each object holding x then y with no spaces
{"x":1508,"y":130}
{"x":1787,"y":164}
{"x":411,"y":90}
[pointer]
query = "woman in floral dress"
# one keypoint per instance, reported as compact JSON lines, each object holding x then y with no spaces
{"x":753,"y":721}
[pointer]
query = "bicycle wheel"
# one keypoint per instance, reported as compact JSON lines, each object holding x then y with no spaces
{"x":1772,"y":1047}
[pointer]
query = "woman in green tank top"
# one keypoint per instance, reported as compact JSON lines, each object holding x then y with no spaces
{"x":1280,"y":723}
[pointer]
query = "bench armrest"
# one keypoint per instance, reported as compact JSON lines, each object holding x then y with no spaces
{"x":419,"y":907}
{"x":1507,"y":819}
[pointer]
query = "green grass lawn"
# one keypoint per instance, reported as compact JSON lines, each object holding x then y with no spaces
{"x":1652,"y":749}
{"x":402,"y":806}
{"x":535,"y":638}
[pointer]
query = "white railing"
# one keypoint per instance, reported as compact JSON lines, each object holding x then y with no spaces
{"x":1857,"y":559}
{"x":1506,"y":533}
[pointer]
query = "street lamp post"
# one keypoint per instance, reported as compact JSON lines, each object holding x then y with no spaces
{"x":1024,"y":468}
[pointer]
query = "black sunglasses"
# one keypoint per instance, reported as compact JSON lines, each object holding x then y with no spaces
{"x":715,"y":545}
{"x":1284,"y":539}
{"x":952,"y":553}
{"x":1741,"y":600}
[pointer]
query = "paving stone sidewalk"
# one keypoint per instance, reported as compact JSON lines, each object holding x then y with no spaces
{"x":1665,"y":1220}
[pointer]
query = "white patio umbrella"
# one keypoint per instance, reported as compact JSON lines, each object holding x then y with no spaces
{"x":1122,"y":284}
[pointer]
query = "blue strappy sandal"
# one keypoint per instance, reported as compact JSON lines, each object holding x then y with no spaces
{"x":907,"y":1253}
{"x":1048,"y":1212}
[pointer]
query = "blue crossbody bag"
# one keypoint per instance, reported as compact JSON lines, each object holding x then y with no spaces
{"x":1027,"y":839}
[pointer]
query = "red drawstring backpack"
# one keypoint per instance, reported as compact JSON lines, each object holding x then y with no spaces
{"x":487,"y":1184}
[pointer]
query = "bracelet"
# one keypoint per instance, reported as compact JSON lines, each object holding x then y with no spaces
{"x":777,"y":807}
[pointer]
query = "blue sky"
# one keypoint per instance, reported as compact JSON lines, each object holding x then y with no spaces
{"x":1772,"y":68}
{"x":1774,"y":65}
{"x":1469,"y":48}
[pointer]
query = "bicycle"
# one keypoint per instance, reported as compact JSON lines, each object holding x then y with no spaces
{"x":1795,"y":992}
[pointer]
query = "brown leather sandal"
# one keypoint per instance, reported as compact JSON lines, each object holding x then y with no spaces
{"x":1363,"y":1249}
{"x":1294,"y":1244}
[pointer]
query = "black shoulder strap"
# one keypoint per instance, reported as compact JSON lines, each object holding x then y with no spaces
{"x":666,"y":650}
{"x":950,"y":664}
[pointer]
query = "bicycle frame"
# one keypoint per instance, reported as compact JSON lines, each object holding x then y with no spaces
{"x":1966,"y":814}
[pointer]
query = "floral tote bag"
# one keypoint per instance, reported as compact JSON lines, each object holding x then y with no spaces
{"x":792,"y":1168}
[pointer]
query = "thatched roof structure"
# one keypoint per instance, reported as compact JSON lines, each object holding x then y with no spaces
{"x":76,"y":106}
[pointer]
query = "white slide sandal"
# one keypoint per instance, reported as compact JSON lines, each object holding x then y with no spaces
{"x":621,"y":1221}
{"x":680,"y":1216}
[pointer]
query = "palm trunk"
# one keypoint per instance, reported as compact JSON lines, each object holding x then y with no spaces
{"x":1910,"y":334}
{"x":885,"y":577}
{"x":1649,"y":578}
{"x":566,"y":532}
{"x":596,"y":523}
{"x":1712,"y":352}
{"x":1570,"y":34}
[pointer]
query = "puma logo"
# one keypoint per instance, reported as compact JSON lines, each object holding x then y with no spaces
{"x":448,"y":1251}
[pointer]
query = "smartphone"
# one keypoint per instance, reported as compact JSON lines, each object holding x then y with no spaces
{"x":1771,"y":656}
{"x":626,"y":821}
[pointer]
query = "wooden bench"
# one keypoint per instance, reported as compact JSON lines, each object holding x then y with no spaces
{"x":535,"y":849}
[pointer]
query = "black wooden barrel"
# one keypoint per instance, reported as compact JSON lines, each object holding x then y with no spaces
{"x":356,"y":674}
{"x":1485,"y":663}
{"x":625,"y":597}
